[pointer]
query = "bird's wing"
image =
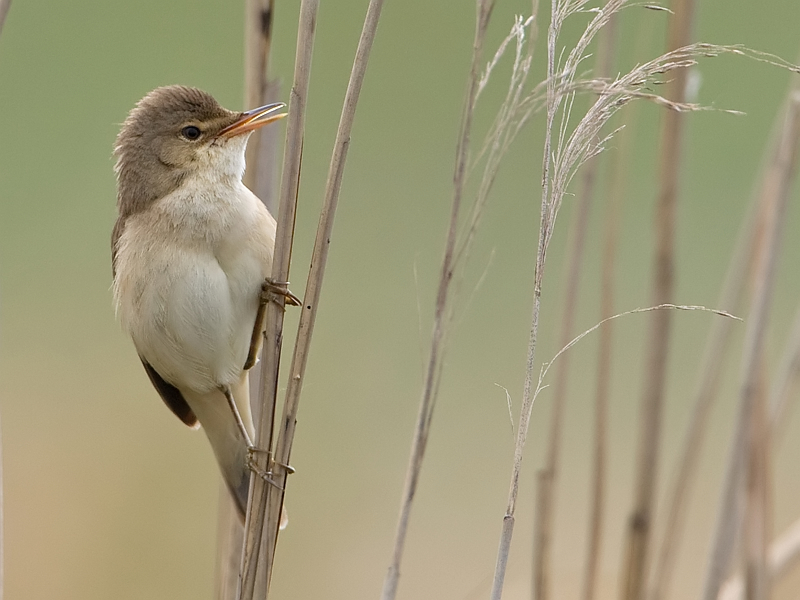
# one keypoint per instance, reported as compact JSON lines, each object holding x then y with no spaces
{"x":171,"y":396}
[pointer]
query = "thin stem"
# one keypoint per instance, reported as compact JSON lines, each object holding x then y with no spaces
{"x":744,"y":445}
{"x":640,"y":523}
{"x":257,"y":555}
{"x":509,"y":518}
{"x":442,"y":310}
{"x":4,"y":6}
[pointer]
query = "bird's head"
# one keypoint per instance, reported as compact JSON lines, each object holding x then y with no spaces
{"x":176,"y":132}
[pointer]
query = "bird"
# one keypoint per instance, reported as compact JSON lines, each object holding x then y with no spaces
{"x":191,"y":254}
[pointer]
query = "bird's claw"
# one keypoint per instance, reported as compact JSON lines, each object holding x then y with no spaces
{"x":274,"y":291}
{"x":267,"y":476}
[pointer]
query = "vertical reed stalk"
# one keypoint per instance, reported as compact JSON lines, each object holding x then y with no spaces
{"x":257,"y":555}
{"x":442,"y":311}
{"x":753,"y":398}
{"x":640,"y":523}
{"x":747,"y":452}
{"x":261,"y":159}
{"x":706,"y":388}
{"x":616,"y":196}
{"x":4,"y":6}
{"x":784,"y":387}
{"x":229,"y":547}
{"x":261,"y":154}
{"x":316,"y":273}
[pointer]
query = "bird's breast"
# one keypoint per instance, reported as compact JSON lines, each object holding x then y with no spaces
{"x":188,"y":276}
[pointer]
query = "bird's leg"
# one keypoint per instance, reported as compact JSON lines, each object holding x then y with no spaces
{"x":251,"y":449}
{"x":239,"y":423}
{"x":271,"y":291}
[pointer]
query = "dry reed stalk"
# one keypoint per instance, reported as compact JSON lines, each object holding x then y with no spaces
{"x":545,"y":513}
{"x":640,"y":521}
{"x":774,"y":195}
{"x":2,"y":500}
{"x":261,"y":159}
{"x":4,"y":6}
{"x":613,"y":211}
{"x":707,"y":386}
{"x":784,"y":554}
{"x":310,"y":305}
{"x":261,"y":154}
{"x":257,"y":553}
{"x":442,"y":311}
{"x":757,"y":524}
{"x":787,"y":376}
{"x":229,"y":547}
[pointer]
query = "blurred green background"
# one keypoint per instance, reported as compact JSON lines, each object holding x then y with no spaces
{"x":109,"y":496}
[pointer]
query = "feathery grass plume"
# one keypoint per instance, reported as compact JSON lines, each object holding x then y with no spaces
{"x":566,"y":149}
{"x":784,"y":554}
{"x":544,"y":516}
{"x":746,"y":453}
{"x":259,"y":539}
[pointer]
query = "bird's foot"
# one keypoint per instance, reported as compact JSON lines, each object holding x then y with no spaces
{"x":271,"y":291}
{"x":274,"y":291}
{"x":267,"y":476}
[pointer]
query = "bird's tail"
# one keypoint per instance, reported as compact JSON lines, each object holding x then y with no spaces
{"x":226,"y":439}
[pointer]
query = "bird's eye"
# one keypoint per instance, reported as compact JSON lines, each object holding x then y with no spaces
{"x":191,"y":132}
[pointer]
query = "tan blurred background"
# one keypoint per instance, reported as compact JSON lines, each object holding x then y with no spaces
{"x":109,"y":496}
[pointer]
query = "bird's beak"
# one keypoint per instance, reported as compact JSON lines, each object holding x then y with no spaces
{"x":253,"y":119}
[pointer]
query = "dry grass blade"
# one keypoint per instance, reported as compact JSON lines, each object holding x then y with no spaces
{"x":443,"y":311}
{"x":784,"y":554}
{"x":774,"y":198}
{"x":258,"y":554}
